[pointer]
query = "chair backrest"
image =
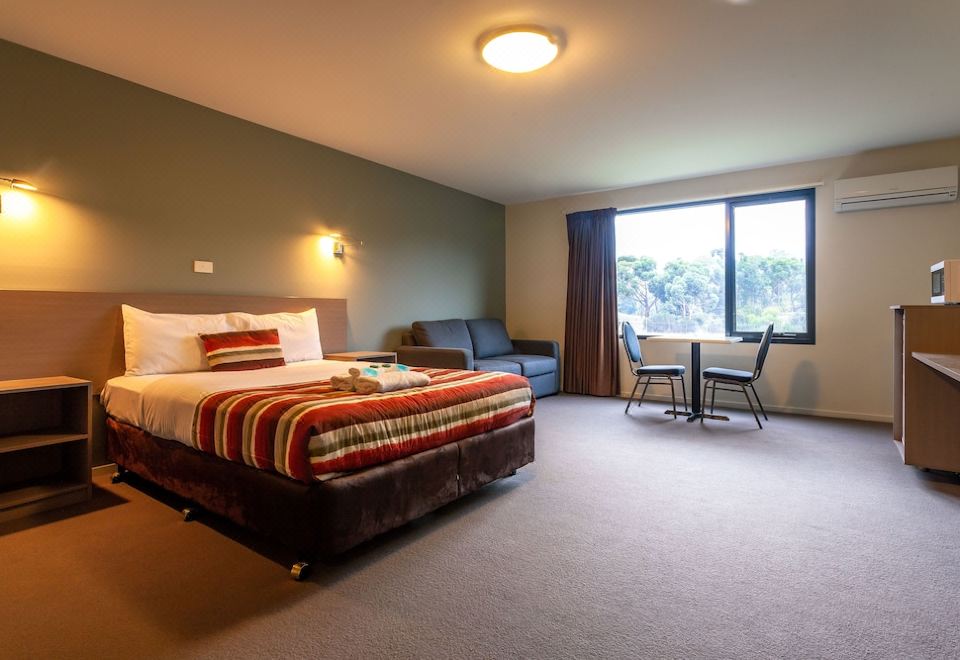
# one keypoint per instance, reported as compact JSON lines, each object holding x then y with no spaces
{"x":631,"y":344}
{"x":763,"y":350}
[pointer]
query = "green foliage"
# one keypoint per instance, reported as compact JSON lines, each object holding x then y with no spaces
{"x":634,"y":276}
{"x":688,"y":295}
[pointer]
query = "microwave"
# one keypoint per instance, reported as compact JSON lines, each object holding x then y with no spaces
{"x":945,"y":282}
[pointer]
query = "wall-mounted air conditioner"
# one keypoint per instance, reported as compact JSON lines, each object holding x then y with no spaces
{"x":901,"y":189}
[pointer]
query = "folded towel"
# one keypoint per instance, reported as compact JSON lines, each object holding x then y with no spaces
{"x":346,"y":382}
{"x":391,"y":381}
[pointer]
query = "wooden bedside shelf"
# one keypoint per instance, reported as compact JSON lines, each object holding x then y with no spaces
{"x":38,"y":491}
{"x":362,"y":356}
{"x":35,"y":384}
{"x":44,"y":444}
{"x":42,"y":439}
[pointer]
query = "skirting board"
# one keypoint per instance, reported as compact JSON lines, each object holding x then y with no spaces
{"x":813,"y":412}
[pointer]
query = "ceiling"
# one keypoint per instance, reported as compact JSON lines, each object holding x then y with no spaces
{"x":644,"y":91}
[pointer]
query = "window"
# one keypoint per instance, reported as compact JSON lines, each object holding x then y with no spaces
{"x":726,"y":266}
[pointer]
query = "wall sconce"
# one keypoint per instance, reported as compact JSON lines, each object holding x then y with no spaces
{"x":19,"y":184}
{"x":333,"y":244}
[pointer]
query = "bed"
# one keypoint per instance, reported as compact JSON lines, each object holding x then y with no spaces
{"x":150,"y":418}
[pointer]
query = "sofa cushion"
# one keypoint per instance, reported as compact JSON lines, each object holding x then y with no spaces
{"x":532,"y":365}
{"x":490,"y":338}
{"x":544,"y":385}
{"x":497,"y":365}
{"x":451,"y":333}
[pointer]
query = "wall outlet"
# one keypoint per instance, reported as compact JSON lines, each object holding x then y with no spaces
{"x":202,"y":266}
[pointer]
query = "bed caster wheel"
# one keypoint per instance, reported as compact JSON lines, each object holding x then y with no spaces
{"x":299,"y":571}
{"x":190,"y":513}
{"x":512,"y":473}
{"x":116,"y":477}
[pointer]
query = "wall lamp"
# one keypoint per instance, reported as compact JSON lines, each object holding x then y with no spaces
{"x":333,"y":244}
{"x":19,"y":184}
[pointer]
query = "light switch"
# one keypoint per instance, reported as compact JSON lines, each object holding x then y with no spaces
{"x":202,"y":266}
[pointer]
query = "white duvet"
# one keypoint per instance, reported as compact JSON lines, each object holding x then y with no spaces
{"x":164,"y":404}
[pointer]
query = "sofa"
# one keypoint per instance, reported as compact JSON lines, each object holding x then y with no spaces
{"x":482,"y":345}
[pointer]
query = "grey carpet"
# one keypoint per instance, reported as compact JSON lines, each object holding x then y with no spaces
{"x":630,"y":537}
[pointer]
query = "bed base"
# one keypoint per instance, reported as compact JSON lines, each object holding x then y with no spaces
{"x":322,"y":518}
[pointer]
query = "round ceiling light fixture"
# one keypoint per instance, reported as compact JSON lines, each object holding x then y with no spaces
{"x":519,"y":48}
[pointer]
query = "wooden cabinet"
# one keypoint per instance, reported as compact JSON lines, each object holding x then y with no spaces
{"x":44,"y":444}
{"x":926,"y":419}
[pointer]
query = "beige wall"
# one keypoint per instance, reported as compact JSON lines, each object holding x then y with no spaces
{"x":137,"y":184}
{"x":866,"y":261}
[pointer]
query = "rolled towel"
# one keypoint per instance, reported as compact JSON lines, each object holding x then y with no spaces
{"x":346,"y":382}
{"x":391,"y":381}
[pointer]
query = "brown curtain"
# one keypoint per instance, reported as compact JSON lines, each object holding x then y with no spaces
{"x":590,"y":357}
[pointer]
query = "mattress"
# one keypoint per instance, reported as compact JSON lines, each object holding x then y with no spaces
{"x":289,"y":420}
{"x":164,"y":405}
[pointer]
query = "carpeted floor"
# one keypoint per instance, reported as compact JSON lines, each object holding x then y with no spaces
{"x":629,"y":537}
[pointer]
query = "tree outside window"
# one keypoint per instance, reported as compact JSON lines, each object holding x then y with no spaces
{"x":720,"y":267}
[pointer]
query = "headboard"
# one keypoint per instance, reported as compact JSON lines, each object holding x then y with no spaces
{"x":49,"y":333}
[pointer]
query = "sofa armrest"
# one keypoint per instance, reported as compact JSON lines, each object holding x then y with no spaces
{"x":546,"y":347}
{"x":439,"y":358}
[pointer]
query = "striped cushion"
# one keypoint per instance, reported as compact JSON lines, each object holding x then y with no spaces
{"x":244,"y":349}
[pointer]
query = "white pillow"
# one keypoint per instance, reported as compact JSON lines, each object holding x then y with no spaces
{"x":167,"y":343}
{"x":299,"y":331}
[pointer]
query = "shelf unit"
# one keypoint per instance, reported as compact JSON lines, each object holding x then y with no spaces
{"x":926,"y":366}
{"x":44,"y":444}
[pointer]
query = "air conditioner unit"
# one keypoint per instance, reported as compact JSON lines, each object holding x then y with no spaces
{"x":901,"y":189}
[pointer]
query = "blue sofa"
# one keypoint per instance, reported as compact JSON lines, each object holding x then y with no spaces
{"x":482,"y":345}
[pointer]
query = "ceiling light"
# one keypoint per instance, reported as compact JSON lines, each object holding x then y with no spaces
{"x":519,"y":48}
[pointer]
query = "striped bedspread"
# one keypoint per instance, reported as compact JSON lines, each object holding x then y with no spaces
{"x":312,"y":432}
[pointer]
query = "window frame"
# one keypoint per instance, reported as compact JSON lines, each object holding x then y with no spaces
{"x":730,"y":261}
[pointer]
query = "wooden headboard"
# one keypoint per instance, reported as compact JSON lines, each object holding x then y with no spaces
{"x":49,"y":333}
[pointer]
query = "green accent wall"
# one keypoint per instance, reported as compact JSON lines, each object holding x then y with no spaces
{"x":136,"y":184}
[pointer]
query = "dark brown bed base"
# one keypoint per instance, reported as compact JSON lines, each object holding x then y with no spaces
{"x":323,"y":518}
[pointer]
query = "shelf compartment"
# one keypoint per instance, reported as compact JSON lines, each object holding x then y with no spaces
{"x":39,"y":490}
{"x":44,"y":445}
{"x":24,"y":441}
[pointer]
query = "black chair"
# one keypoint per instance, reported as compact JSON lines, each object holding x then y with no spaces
{"x":742,"y":379}
{"x":656,"y":374}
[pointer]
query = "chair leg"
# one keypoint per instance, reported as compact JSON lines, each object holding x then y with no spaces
{"x":673,"y":397}
{"x":644,"y":392}
{"x":758,"y":402}
{"x":632,"y":394}
{"x":752,"y":409}
{"x":683,"y":387}
{"x":713,"y":397}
